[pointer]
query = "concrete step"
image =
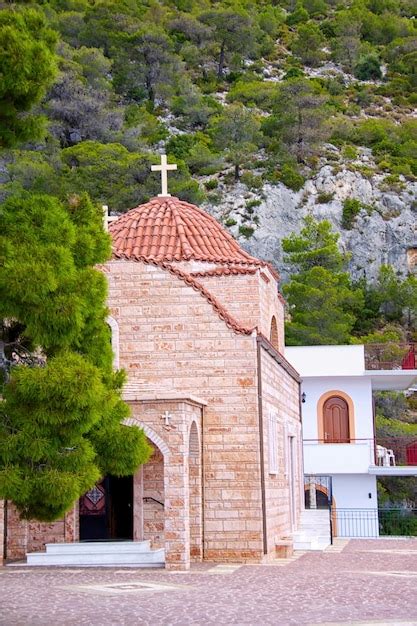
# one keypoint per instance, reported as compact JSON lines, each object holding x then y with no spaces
{"x":91,"y":547}
{"x":153,"y":558}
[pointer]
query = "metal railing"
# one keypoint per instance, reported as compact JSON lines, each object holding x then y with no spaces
{"x":382,"y":451}
{"x":390,"y":356}
{"x":372,"y":523}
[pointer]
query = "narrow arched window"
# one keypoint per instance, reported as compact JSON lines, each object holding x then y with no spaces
{"x":273,"y":336}
{"x":114,"y":328}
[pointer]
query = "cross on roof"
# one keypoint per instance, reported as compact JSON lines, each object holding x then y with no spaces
{"x":107,"y":218}
{"x":164,"y":168}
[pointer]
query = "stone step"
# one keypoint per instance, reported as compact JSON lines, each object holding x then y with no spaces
{"x":152,"y":558}
{"x":91,"y":547}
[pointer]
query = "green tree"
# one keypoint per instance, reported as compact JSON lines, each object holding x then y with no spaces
{"x":27,"y":68}
{"x":232,"y":31}
{"x":298,"y":118}
{"x":61,"y":410}
{"x":322,"y":302}
{"x":368,"y":68}
{"x":236,"y":132}
{"x":309,"y":44}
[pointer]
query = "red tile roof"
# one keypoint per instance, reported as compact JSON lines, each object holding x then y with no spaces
{"x":169,"y":229}
{"x":165,"y":230}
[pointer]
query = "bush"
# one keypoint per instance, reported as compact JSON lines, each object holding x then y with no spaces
{"x":246,"y":231}
{"x":211,"y":184}
{"x":230,"y":222}
{"x":368,"y":68}
{"x":251,"y":180}
{"x":351,"y":208}
{"x":251,"y":204}
{"x":324,"y":198}
{"x":349,"y":152}
{"x":291,"y":178}
{"x":253,"y":93}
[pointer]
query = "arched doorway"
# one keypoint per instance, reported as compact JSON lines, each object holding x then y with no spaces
{"x":336,"y":420}
{"x":106,"y":510}
{"x":194,"y":473}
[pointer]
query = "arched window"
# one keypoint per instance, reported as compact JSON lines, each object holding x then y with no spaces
{"x":336,"y":427}
{"x":273,"y":337}
{"x":114,"y":327}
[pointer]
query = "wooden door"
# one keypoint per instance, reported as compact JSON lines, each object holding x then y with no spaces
{"x":336,"y":421}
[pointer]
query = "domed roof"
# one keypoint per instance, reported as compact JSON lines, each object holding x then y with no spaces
{"x":168,"y":229}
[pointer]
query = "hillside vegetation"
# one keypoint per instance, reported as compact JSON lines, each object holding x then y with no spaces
{"x":234,"y":90}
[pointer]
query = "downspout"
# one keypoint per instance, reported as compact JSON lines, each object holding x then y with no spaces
{"x":5,"y":532}
{"x":261,"y":447}
{"x":203,"y":516}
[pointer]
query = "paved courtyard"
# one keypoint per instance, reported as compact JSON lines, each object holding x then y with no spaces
{"x":356,"y":582}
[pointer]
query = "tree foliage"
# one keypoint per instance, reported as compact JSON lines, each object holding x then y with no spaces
{"x":27,"y":68}
{"x":61,"y":400}
{"x":321,"y":300}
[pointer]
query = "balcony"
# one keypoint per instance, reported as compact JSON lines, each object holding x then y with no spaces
{"x":390,"y":356}
{"x":393,"y":456}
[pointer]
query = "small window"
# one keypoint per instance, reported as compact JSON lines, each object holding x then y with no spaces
{"x":273,"y":338}
{"x":273,"y":442}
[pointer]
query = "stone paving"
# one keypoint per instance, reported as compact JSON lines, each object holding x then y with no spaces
{"x":359,"y":582}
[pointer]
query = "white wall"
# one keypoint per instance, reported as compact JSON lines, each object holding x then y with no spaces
{"x":359,"y":390}
{"x":351,"y":491}
{"x":327,"y":360}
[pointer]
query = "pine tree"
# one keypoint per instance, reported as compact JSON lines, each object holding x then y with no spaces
{"x":321,"y":299}
{"x":27,"y":68}
{"x":61,"y":410}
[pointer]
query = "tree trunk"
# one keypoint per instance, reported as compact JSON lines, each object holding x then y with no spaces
{"x":221,"y":61}
{"x":237,"y":172}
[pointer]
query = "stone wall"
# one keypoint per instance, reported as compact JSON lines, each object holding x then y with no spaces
{"x":172,"y":340}
{"x":283,"y":490}
{"x":153,"y":489}
{"x":31,"y":536}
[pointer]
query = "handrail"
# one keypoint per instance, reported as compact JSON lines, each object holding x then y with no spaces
{"x":150,"y":499}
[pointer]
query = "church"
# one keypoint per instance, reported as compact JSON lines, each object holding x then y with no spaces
{"x":198,"y":326}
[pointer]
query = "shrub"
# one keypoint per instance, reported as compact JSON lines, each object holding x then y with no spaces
{"x":368,"y":68}
{"x":351,"y":208}
{"x":349,"y":152}
{"x":246,"y":231}
{"x":252,"y":93}
{"x":230,"y":222}
{"x":291,"y":178}
{"x":211,"y":184}
{"x":252,"y":181}
{"x":324,"y":198}
{"x":251,"y":204}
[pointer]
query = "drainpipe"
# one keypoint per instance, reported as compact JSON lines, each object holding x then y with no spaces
{"x":261,"y":447}
{"x":5,"y":532}
{"x":203,"y":516}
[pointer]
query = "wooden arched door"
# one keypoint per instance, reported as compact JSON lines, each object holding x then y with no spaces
{"x":336,"y":421}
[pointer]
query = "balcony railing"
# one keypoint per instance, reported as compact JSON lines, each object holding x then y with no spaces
{"x":382,"y":451}
{"x":390,"y":356}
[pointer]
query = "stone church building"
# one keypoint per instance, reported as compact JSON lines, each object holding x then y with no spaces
{"x":198,"y":325}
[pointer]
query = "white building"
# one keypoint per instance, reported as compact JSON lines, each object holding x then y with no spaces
{"x":342,"y":457}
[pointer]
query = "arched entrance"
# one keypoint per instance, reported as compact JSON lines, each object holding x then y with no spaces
{"x":106,"y":510}
{"x":336,"y":420}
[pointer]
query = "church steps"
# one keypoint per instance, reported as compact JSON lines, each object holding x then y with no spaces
{"x":109,"y":554}
{"x":98,"y":547}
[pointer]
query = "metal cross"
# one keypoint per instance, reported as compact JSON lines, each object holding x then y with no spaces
{"x":167,"y":417}
{"x":107,"y":218}
{"x":164,"y":168}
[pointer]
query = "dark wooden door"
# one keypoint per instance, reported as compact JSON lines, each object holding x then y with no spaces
{"x":336,"y":421}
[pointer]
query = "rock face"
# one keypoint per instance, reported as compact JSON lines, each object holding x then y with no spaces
{"x":382,"y":233}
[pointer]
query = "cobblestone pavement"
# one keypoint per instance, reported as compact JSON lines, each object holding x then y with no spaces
{"x":364,"y":582}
